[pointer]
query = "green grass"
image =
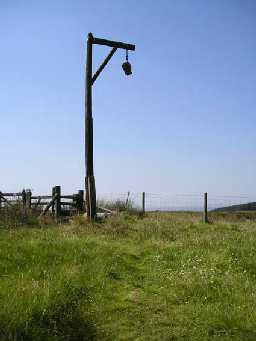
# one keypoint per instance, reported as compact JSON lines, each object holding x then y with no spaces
{"x":164,"y":277}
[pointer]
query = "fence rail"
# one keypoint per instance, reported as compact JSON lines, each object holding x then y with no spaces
{"x":58,"y":203}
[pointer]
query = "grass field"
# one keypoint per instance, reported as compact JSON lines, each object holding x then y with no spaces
{"x":164,"y":277}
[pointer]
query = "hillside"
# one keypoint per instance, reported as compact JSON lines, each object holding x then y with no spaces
{"x":164,"y":277}
{"x":251,"y":206}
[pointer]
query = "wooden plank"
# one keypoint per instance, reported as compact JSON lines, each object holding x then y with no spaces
{"x":67,"y":196}
{"x":41,"y":197}
{"x":106,"y":209}
{"x":12,"y":194}
{"x":111,"y":43}
{"x":100,"y":69}
{"x":38,"y":203}
{"x":66,"y":203}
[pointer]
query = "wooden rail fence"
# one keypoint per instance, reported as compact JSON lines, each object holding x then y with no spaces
{"x":56,"y":203}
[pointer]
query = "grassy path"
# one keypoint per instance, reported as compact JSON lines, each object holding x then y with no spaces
{"x":165,"y":277}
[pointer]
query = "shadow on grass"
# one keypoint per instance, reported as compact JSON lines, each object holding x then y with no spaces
{"x":65,"y":320}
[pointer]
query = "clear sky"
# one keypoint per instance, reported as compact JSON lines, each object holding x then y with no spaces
{"x":184,"y":122}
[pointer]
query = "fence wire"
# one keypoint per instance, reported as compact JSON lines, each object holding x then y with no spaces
{"x":154,"y":201}
{"x":180,"y":202}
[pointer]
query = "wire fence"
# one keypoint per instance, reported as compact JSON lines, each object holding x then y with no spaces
{"x":181,"y":202}
{"x":193,"y":202}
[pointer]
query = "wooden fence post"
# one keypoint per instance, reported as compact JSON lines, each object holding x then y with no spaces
{"x":28,"y":199}
{"x":0,"y":199}
{"x":53,"y":196}
{"x":143,"y":202}
{"x":57,"y":194}
{"x":80,"y":201}
{"x":23,"y":195}
{"x":205,"y":213}
{"x":127,"y":200}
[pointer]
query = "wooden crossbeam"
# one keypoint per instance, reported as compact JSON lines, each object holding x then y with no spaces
{"x":4,"y":199}
{"x":48,"y":206}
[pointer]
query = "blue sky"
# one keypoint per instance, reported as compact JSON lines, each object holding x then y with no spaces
{"x":183,"y":123}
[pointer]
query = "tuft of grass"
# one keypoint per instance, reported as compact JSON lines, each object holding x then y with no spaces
{"x":164,"y":277}
{"x":15,"y":216}
{"x":118,"y":205}
{"x":61,"y":319}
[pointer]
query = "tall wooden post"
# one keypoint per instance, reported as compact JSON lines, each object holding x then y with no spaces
{"x":205,"y":213}
{"x":89,"y":179}
{"x":90,"y":79}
